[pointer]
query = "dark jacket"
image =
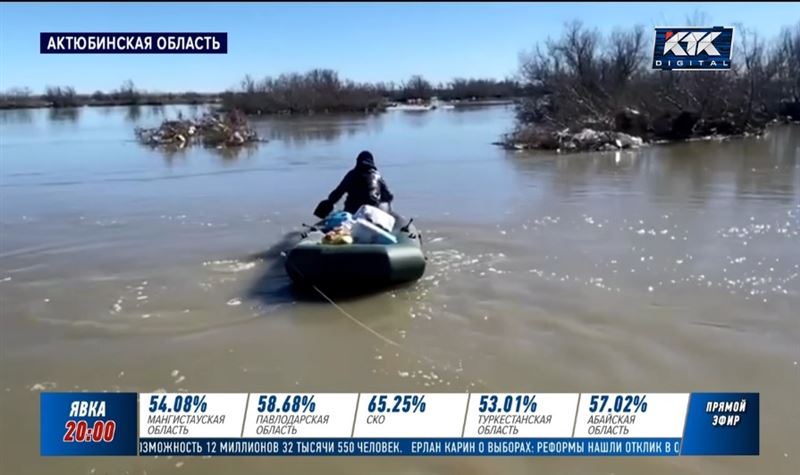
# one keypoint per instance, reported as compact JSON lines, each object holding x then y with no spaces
{"x":363,"y":185}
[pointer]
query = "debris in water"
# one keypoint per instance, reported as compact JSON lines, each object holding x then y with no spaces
{"x":234,"y":302}
{"x":215,"y":130}
{"x":175,"y":373}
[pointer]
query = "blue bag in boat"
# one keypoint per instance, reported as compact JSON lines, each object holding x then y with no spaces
{"x":336,"y":220}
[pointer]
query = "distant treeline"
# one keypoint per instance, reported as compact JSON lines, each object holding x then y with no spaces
{"x":322,"y":90}
{"x":318,"y":90}
{"x":584,"y":79}
{"x":125,"y":95}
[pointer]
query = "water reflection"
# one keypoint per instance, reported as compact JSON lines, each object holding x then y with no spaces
{"x":298,"y":131}
{"x":777,"y":178}
{"x":231,"y":154}
{"x":156,"y":111}
{"x":67,"y":114}
{"x":133,"y":113}
{"x":695,"y":173}
{"x":417,"y":119}
{"x":16,"y":116}
{"x":195,"y":109}
{"x":172,"y":154}
{"x":273,"y":285}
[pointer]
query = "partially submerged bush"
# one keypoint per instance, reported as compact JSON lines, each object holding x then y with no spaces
{"x":585,"y":80}
{"x":59,"y":96}
{"x":214,"y":130}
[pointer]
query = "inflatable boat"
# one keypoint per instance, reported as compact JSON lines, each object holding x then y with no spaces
{"x":357,"y":267}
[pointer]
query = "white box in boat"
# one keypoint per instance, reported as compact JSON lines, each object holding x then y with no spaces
{"x":364,"y":232}
{"x":376,"y":216}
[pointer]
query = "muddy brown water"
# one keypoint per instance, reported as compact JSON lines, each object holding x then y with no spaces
{"x":672,"y":268}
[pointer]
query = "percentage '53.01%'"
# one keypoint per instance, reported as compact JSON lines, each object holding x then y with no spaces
{"x":510,"y":403}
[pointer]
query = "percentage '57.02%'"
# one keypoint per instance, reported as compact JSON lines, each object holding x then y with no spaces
{"x":628,"y":403}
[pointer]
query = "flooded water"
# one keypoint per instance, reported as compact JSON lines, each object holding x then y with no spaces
{"x":672,"y":269}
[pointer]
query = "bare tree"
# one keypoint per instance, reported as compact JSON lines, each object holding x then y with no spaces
{"x":60,"y":96}
{"x":417,"y":87}
{"x":582,"y":79}
{"x":627,"y":53}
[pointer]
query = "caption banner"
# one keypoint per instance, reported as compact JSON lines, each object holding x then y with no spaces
{"x":133,"y":43}
{"x":417,"y":424}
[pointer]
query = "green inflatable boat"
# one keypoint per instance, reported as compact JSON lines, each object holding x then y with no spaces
{"x":357,"y":267}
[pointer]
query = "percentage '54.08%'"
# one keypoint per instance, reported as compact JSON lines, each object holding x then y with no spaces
{"x":398,"y":403}
{"x":180,"y":403}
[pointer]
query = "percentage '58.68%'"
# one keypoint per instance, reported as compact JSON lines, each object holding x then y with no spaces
{"x":291,"y":403}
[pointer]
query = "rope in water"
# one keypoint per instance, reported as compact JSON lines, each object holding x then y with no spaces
{"x":366,"y":327}
{"x":361,"y":324}
{"x":358,"y":322}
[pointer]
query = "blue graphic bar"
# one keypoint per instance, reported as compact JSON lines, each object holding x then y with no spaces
{"x":88,"y":424}
{"x":722,"y":424}
{"x":133,"y":43}
{"x":553,"y":447}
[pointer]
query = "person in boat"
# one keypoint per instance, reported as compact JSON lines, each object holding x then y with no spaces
{"x":363,"y":185}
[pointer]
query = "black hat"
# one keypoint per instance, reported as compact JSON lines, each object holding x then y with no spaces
{"x":365,"y":159}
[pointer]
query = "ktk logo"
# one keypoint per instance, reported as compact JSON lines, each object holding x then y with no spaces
{"x":696,"y":43}
{"x":693,"y":48}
